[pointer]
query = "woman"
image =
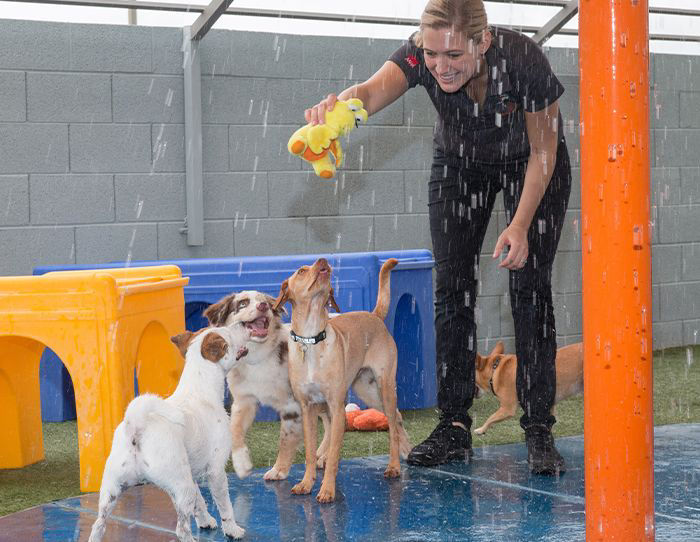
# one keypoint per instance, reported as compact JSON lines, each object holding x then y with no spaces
{"x":498,"y":129}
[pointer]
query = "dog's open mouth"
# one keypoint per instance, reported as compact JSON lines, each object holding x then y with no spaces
{"x":258,"y":327}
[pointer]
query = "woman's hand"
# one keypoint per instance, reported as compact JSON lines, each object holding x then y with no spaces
{"x":515,"y":236}
{"x":317,"y":114}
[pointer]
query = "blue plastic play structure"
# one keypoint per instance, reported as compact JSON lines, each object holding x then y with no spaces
{"x":355,"y":283}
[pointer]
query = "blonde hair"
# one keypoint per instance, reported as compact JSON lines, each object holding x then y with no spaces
{"x":467,"y":16}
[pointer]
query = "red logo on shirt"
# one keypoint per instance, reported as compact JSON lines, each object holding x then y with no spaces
{"x":412,"y":61}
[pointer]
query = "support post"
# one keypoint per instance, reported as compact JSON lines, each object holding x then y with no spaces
{"x":194,"y":186}
{"x":616,"y":249}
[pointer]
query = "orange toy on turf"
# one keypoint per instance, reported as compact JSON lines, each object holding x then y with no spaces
{"x":366,"y":420}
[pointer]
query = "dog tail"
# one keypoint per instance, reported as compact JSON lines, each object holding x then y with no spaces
{"x":384,"y":295}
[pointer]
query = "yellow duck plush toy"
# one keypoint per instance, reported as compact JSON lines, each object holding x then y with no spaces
{"x":316,"y":144}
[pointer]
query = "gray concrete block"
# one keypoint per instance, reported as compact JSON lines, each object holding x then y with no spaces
{"x":218,"y":241}
{"x":493,"y":280}
{"x":340,"y":234}
{"x":677,"y":72}
{"x":507,"y":325}
{"x":666,"y":263}
{"x":665,"y":186}
{"x":13,"y":96}
{"x":261,"y":148}
{"x":568,"y":313}
{"x":14,"y":195}
{"x":691,"y":332}
{"x":302,"y":194}
{"x":148,"y":98}
{"x":72,"y":97}
{"x":569,"y":104}
{"x":400,"y":148}
{"x":215,"y":147}
{"x":71,"y":199}
{"x":575,"y":196}
{"x":168,"y":144}
{"x":690,"y":185}
{"x":35,"y":45}
{"x":564,"y":61}
{"x":493,"y":230}
{"x":234,"y":100}
{"x":116,"y":242}
{"x":157,"y":196}
{"x":344,"y":58}
{"x":33,"y":148}
{"x":269,"y":237}
{"x":667,"y":334}
{"x":566,"y":273}
{"x":416,"y":190}
{"x":679,"y":301}
{"x":110,"y":48}
{"x":371,"y":192}
{"x":486,"y":345}
{"x":655,"y":303}
{"x":679,"y":223}
{"x":690,"y":262}
{"x":357,"y":148}
{"x":167,"y":50}
{"x":110,"y":148}
{"x":690,"y":106}
{"x":235,"y":195}
{"x":487,"y":315}
{"x":665,"y":111}
{"x":570,"y":240}
{"x":49,"y":246}
{"x":401,"y":232}
{"x":677,"y":147}
{"x":287,"y":101}
{"x":260,"y":54}
{"x":215,"y":52}
{"x":418,"y":109}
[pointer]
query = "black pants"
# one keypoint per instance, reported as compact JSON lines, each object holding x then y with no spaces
{"x":461,"y":198}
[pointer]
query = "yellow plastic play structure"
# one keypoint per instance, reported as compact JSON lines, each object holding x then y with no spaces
{"x":106,"y":325}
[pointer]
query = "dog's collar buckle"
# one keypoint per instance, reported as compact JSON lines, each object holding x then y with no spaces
{"x":305,"y":341}
{"x":495,"y":366}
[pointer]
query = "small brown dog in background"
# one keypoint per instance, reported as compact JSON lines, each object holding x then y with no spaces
{"x":496,"y":373}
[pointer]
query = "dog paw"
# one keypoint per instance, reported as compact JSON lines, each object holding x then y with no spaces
{"x":302,"y":488}
{"x":480,"y":431}
{"x":241,"y":462}
{"x":275,"y":474}
{"x":205,"y":522}
{"x":232,"y":529}
{"x":321,"y":462}
{"x":326,"y":495}
{"x":392,"y":472}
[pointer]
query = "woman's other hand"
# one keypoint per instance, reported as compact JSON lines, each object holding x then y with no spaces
{"x":515,"y":237}
{"x":317,"y":114}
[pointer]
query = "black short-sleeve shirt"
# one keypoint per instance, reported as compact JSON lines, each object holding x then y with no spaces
{"x":519,"y":79}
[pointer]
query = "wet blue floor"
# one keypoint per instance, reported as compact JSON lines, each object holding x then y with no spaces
{"x":493,"y":499}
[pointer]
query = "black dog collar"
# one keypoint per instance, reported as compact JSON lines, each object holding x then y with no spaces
{"x":308,"y":340}
{"x":495,"y":366}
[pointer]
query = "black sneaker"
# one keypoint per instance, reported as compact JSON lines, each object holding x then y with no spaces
{"x":542,"y":455}
{"x":446,"y":443}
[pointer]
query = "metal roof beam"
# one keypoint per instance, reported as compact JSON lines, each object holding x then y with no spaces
{"x":556,"y":23}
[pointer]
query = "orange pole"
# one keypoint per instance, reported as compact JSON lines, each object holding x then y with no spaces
{"x":616,"y":247}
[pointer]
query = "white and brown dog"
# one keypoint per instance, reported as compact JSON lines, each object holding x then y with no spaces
{"x":496,"y":374}
{"x":172,"y":442}
{"x":263,"y":378}
{"x":329,"y":355}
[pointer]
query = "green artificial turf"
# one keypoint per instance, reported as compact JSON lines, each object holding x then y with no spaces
{"x":676,"y":400}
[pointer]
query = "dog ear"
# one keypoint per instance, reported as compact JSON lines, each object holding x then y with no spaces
{"x":182,"y":341}
{"x":214,"y":347}
{"x":480,"y":362}
{"x":497,"y":350}
{"x":277,"y":310}
{"x":219,"y":311}
{"x":331,"y":300}
{"x":283,"y":296}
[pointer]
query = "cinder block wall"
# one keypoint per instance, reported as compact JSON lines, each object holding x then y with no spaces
{"x":92,"y":161}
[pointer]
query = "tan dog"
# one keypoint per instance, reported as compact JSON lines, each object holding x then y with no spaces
{"x":329,"y":355}
{"x":495,"y":373}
